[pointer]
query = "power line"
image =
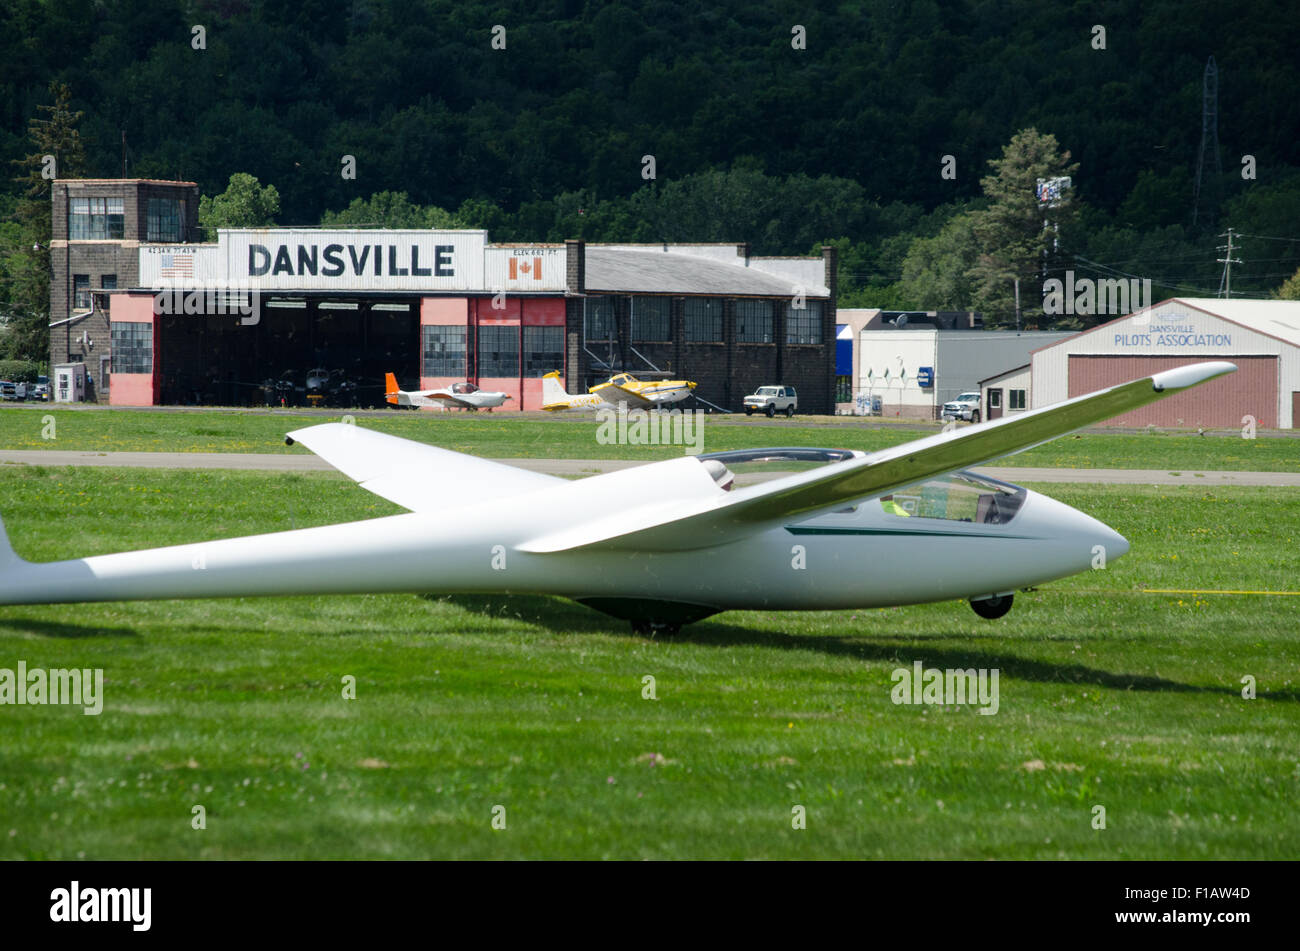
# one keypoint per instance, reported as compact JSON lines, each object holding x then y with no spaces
{"x":1265,"y":237}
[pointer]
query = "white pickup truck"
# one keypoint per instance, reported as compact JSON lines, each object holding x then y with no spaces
{"x":772,"y":400}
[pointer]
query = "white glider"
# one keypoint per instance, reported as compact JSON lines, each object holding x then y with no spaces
{"x":662,"y":544}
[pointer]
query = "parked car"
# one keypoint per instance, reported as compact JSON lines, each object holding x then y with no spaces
{"x":12,"y":391}
{"x":965,"y":406}
{"x":40,"y":390}
{"x":772,"y":400}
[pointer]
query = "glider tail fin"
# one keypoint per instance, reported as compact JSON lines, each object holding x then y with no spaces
{"x":552,"y":390}
{"x":391,"y":388}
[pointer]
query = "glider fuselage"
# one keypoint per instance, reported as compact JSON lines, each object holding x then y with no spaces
{"x":863,"y":556}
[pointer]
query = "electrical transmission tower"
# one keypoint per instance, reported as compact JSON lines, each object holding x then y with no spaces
{"x":1205,"y":198}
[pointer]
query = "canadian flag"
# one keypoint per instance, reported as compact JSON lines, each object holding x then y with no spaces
{"x":520,"y":268}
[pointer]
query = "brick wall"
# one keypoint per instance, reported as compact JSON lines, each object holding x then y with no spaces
{"x":95,"y":259}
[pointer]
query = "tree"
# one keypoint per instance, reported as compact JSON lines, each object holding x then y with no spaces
{"x":389,"y":210}
{"x":25,"y":241}
{"x":1291,"y":289}
{"x":1015,"y":233}
{"x":244,"y":204}
{"x":937,"y":271}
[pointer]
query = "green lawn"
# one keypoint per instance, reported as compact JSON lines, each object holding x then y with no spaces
{"x":1108,"y":696}
{"x":574,"y":436}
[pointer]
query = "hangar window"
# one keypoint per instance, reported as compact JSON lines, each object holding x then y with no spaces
{"x":844,"y":389}
{"x":650,"y":319}
{"x":132,"y":347}
{"x":165,"y":220}
{"x":498,"y":351}
{"x":599,"y":323}
{"x":444,"y":351}
{"x":96,"y":219}
{"x":1017,"y":399}
{"x":804,"y":325}
{"x":704,"y":319}
{"x":108,"y":282}
{"x":960,"y":497}
{"x":81,"y":292}
{"x":543,"y":350}
{"x":754,"y":321}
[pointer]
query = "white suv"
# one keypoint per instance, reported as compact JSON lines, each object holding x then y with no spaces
{"x":772,"y":400}
{"x":965,"y":406}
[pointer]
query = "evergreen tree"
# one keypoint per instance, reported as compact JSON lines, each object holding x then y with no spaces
{"x":1017,"y":233}
{"x":58,"y":152}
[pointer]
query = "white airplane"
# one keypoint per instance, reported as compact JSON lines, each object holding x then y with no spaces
{"x":463,"y":395}
{"x":662,"y":544}
{"x":620,"y":388}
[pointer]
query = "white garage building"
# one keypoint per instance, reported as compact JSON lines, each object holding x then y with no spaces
{"x":915,"y":371}
{"x":1262,"y":337}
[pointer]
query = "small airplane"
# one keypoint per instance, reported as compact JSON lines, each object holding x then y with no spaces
{"x":664,"y":544}
{"x":464,"y":395}
{"x":625,"y":388}
{"x":556,"y":400}
{"x":620,"y":388}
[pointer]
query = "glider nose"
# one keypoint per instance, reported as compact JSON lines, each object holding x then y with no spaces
{"x":1075,"y":540}
{"x":1116,"y":545}
{"x":1104,"y":543}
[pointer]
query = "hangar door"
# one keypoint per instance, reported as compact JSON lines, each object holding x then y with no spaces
{"x":1221,"y":403}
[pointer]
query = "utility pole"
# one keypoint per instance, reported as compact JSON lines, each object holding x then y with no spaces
{"x":1225,"y":284}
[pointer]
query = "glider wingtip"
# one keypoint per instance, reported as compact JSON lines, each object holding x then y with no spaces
{"x":1180,"y":378}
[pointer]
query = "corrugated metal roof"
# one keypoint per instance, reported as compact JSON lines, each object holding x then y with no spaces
{"x":665,"y":272}
{"x":1278,"y":318}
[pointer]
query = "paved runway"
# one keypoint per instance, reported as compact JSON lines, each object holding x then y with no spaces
{"x":305,"y":461}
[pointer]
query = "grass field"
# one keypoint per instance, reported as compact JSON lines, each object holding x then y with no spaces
{"x":574,"y":437}
{"x":1108,"y":696}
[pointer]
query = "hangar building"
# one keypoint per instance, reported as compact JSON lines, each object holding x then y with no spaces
{"x":1262,"y":337}
{"x":144,"y":314}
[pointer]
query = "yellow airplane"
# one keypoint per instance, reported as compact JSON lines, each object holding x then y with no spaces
{"x":625,"y":388}
{"x":621,"y":388}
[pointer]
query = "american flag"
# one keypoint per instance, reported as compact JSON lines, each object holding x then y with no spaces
{"x":177,"y":265}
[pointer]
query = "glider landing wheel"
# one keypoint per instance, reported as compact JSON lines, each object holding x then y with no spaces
{"x":992,"y":608}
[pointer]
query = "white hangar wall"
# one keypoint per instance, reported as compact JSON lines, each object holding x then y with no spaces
{"x":1261,"y":337}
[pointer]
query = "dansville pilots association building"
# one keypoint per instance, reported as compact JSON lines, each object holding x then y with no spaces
{"x":142,"y":313}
